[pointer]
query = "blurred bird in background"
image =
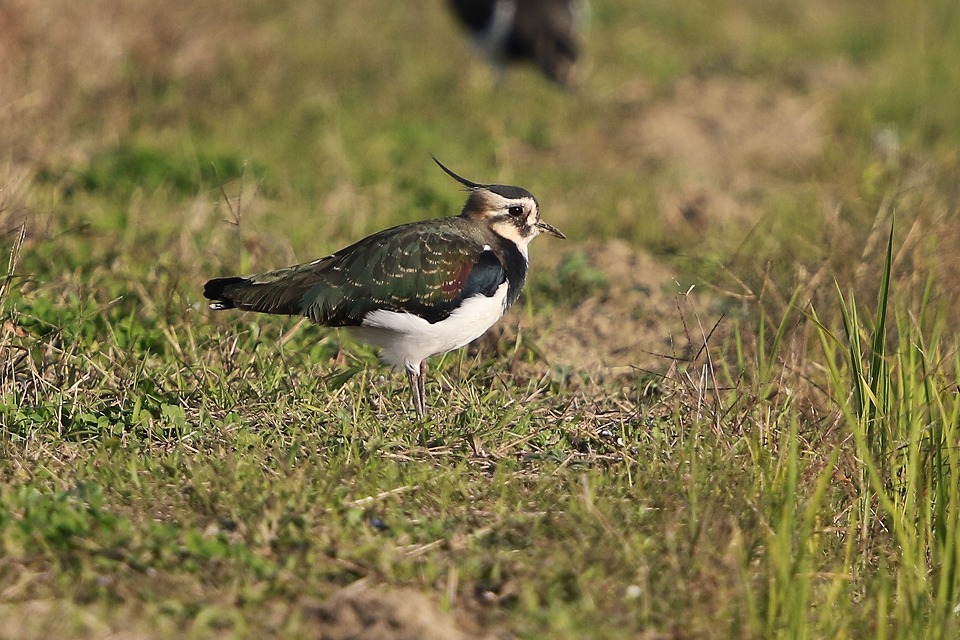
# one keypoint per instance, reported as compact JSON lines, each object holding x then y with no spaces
{"x":547,"y":32}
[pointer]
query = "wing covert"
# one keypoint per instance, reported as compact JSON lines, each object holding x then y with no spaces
{"x":415,"y":269}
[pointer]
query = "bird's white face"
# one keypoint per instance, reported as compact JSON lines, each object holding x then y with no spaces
{"x":513,"y":218}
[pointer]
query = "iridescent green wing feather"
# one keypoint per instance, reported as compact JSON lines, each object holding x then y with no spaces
{"x":425,"y":268}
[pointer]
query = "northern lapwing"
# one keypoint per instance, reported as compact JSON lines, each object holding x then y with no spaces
{"x":544,"y":31}
{"x":416,"y":290}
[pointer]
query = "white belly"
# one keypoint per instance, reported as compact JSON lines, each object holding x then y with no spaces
{"x":406,"y":339}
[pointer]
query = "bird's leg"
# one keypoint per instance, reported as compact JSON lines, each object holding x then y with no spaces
{"x":415,"y":381}
{"x":422,"y":387}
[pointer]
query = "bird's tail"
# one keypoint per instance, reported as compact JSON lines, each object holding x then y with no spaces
{"x":266,"y":293}
{"x":221,"y":291}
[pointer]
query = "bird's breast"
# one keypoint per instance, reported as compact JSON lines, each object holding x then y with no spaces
{"x":406,"y":338}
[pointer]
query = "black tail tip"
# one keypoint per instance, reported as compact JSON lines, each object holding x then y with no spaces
{"x":216,"y":290}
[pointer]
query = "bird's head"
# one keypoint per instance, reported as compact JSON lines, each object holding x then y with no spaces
{"x":510,"y":212}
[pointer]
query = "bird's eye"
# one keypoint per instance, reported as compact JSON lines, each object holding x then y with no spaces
{"x":515,"y":210}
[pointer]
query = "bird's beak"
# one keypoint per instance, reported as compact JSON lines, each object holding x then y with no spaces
{"x":552,"y":230}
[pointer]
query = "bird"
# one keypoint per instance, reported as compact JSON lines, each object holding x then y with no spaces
{"x":543,"y":31}
{"x":415,"y":290}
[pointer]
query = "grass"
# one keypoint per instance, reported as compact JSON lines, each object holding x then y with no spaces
{"x":788,"y":467}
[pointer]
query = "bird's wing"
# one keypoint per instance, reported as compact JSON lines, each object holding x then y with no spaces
{"x":426,"y":269}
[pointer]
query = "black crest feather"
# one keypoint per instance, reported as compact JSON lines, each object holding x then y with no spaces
{"x":467,"y":183}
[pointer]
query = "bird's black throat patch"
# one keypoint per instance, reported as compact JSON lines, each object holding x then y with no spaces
{"x":515,"y":265}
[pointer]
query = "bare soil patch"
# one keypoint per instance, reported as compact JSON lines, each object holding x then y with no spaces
{"x":727,"y":147}
{"x":362,"y":612}
{"x":645,"y":319}
{"x":726,"y":144}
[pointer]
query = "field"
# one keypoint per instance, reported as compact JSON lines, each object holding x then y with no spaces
{"x":728,"y":406}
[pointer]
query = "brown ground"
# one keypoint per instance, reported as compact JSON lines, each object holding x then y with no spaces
{"x":643,"y":320}
{"x":727,"y":146}
{"x":357,"y":612}
{"x":727,"y":142}
{"x":361,"y":612}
